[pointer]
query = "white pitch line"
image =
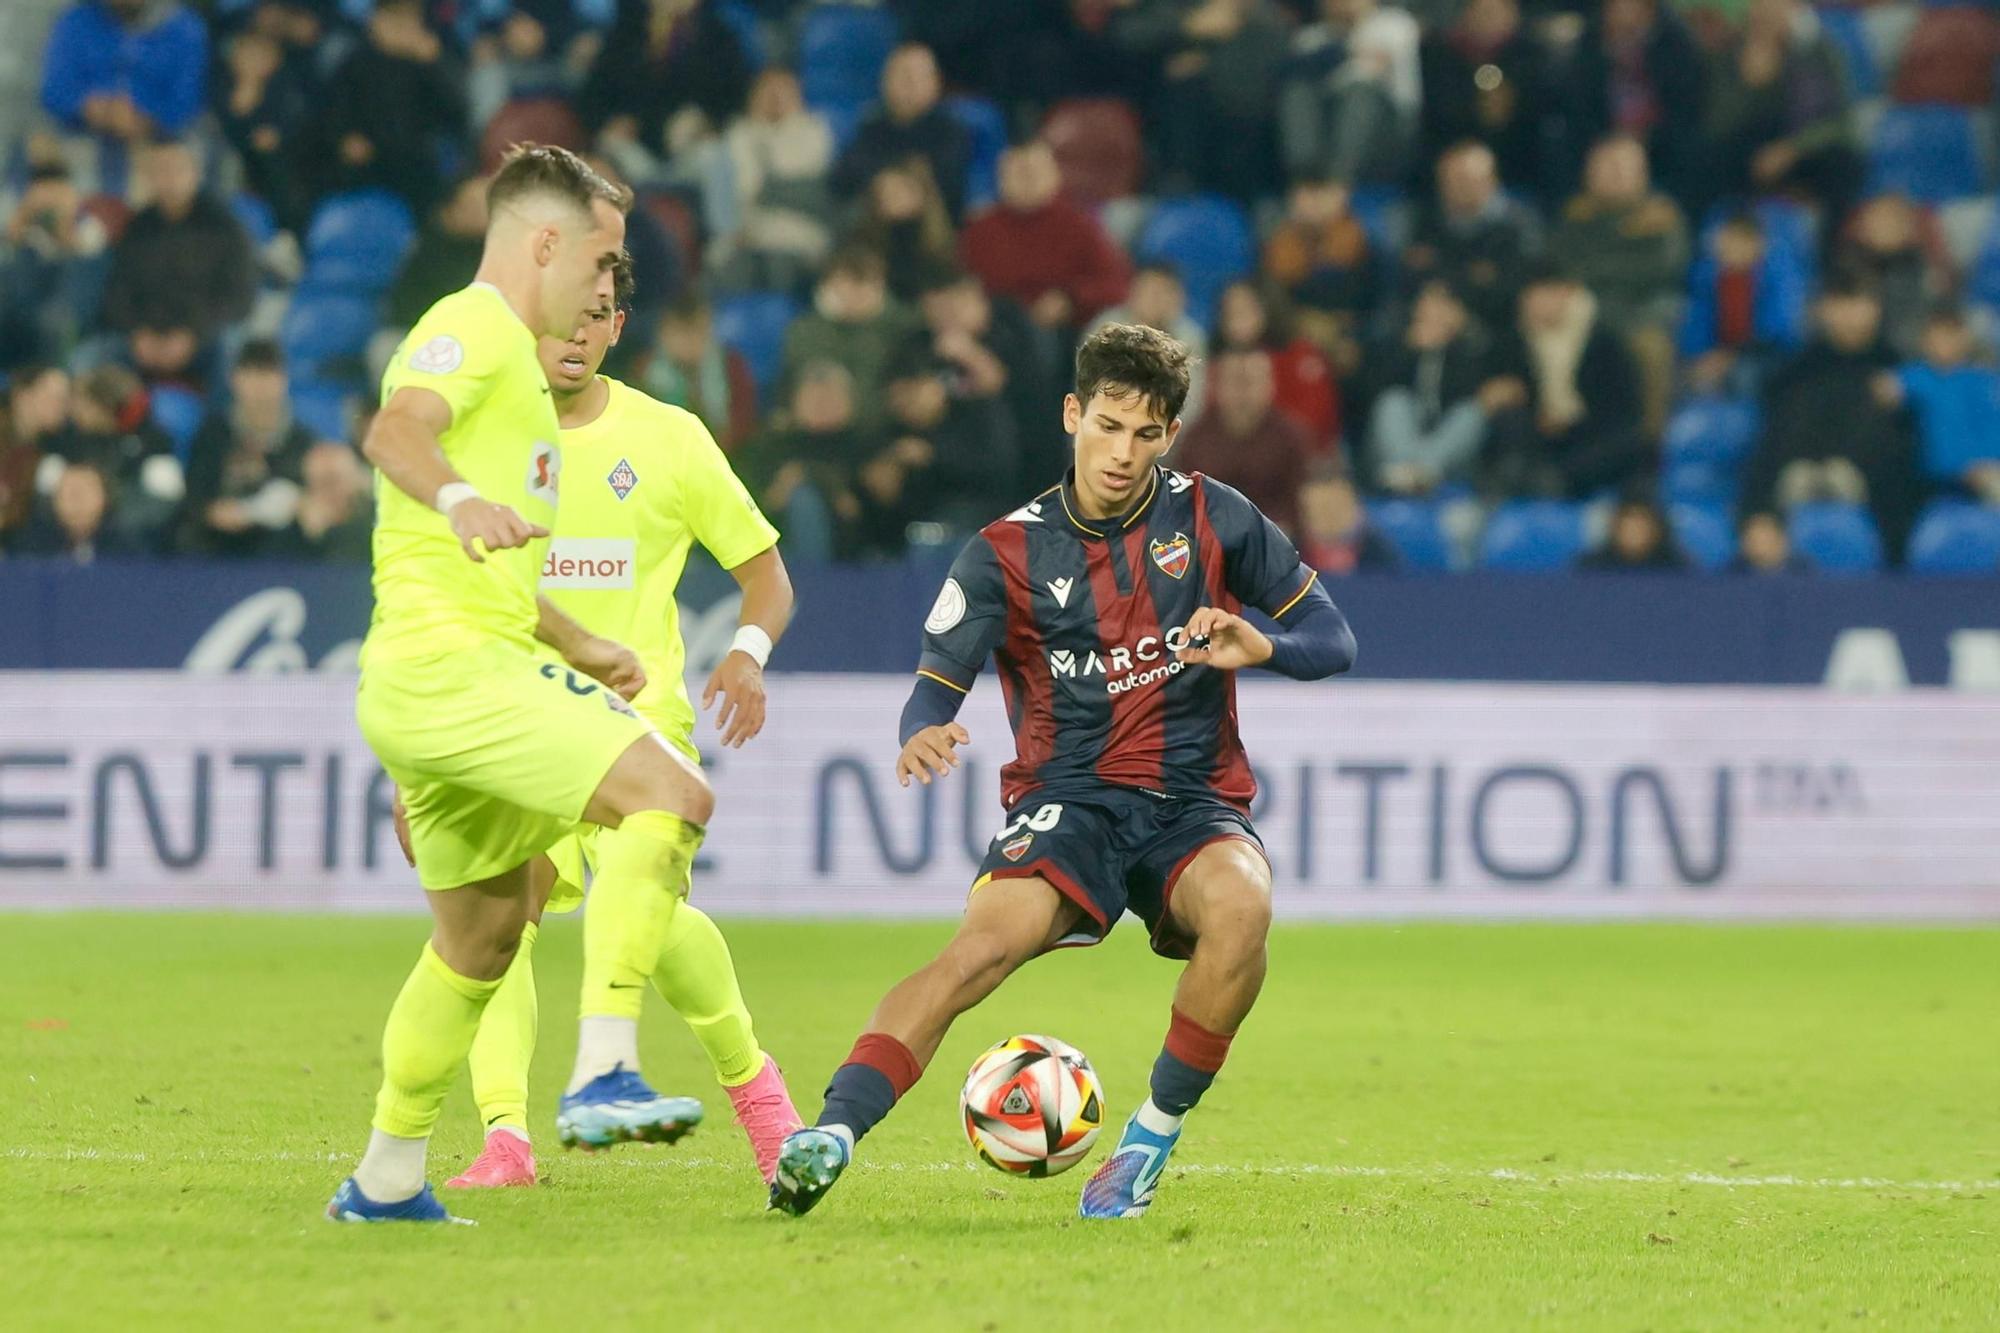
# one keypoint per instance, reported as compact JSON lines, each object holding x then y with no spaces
{"x":1497,"y":1174}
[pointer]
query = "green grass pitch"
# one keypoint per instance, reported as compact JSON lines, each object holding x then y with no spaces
{"x":1452,"y":1127}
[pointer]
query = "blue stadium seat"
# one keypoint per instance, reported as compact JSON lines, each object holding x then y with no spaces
{"x":321,"y":408}
{"x":1846,"y":29}
{"x":1956,"y":537}
{"x":254,"y":215}
{"x":1836,"y":538}
{"x":1704,"y":535}
{"x":1416,"y":529}
{"x":754,"y":324}
{"x":323,"y":327}
{"x":1700,"y":481}
{"x":741,"y":20}
{"x":357,"y":241}
{"x":842,"y":49}
{"x":1532,"y":536}
{"x":1380,"y":210}
{"x":1711,"y":430}
{"x":178,"y":412}
{"x":1208,"y":238}
{"x":1930,"y":153}
{"x":986,"y":125}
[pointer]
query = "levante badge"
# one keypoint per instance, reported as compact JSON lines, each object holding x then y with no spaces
{"x":1172,"y":555}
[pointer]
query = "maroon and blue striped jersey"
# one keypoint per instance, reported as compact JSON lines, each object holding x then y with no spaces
{"x":1082,"y":619}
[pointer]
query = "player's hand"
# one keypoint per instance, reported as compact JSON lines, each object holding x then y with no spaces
{"x":610,"y":663}
{"x":495,"y":526}
{"x":1233,"y":642}
{"x":401,"y":819}
{"x":932,"y":750}
{"x":740,"y":682}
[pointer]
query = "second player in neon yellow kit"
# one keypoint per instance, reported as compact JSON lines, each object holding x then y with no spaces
{"x":642,"y":483}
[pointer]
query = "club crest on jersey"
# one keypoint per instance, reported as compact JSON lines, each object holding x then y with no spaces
{"x":1172,"y":555}
{"x":544,"y":467}
{"x":623,"y":479}
{"x":1018,"y":847}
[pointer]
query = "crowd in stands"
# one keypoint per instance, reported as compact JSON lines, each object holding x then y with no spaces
{"x":1638,"y":284}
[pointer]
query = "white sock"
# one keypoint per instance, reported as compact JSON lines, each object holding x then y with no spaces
{"x":841,"y":1132}
{"x":520,"y":1134}
{"x":392,"y":1169}
{"x":1155,"y":1121}
{"x":603,"y":1043}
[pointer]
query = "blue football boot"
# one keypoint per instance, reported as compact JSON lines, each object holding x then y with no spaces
{"x":1123,"y":1186}
{"x":621,"y":1107}
{"x":349,"y":1204}
{"x":809,"y":1161}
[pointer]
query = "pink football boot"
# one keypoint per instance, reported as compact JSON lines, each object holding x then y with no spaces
{"x":506,"y":1160}
{"x":765,"y":1111}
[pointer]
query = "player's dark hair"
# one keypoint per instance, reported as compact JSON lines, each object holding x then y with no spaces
{"x":530,"y":169}
{"x":260,"y":354}
{"x":1127,"y":359}
{"x":624,"y":281}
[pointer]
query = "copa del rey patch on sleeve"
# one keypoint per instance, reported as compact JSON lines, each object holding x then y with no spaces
{"x":440,"y":356}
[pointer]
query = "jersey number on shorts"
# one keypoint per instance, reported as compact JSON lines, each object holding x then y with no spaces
{"x":1041,"y":821}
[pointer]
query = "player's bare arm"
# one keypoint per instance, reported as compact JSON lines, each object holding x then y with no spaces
{"x":403,"y":443}
{"x":739,"y":679}
{"x":1224,"y":641}
{"x":603,"y":660}
{"x":934,"y":750}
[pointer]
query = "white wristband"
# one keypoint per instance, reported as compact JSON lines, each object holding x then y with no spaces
{"x":453,"y":494}
{"x":752,"y":639}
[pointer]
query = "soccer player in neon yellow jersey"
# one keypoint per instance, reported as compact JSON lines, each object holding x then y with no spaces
{"x":497,"y":752}
{"x":642,"y":482}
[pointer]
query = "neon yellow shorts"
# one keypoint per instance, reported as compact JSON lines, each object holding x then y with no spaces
{"x":497,"y":753}
{"x":575,"y":856}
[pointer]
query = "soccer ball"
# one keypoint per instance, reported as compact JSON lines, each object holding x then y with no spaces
{"x":1032,"y":1106}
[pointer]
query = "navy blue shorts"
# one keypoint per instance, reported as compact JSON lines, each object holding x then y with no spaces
{"x":1112,"y":850}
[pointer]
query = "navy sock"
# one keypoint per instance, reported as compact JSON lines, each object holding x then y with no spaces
{"x":878,"y":1071}
{"x":1188,"y":1063}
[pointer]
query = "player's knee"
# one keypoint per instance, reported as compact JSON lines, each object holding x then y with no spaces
{"x":1235,"y":916}
{"x":482,"y":950}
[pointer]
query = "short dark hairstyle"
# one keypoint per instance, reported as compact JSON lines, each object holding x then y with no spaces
{"x":1161,"y":268}
{"x":260,"y":354}
{"x":1547,"y":271}
{"x":1845,"y":282}
{"x":1949,"y":313}
{"x":1126,"y":359}
{"x":624,"y":281}
{"x":857,"y":261}
{"x":533,"y":168}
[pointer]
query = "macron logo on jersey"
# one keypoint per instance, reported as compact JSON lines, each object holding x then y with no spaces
{"x":1029,"y":513}
{"x":588,"y":562}
{"x":1059,"y":589}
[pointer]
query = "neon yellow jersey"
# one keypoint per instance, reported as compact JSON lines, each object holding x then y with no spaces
{"x":474,"y":352}
{"x":642,"y":483}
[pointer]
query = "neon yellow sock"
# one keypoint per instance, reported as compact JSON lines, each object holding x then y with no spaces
{"x":698,"y":978}
{"x":430,"y":1029}
{"x":642,"y":876}
{"x":505,"y":1045}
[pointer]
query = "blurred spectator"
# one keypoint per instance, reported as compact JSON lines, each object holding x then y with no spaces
{"x":52,"y":276}
{"x":1630,"y":247}
{"x":1039,"y":249}
{"x":806,"y":466}
{"x":1242,"y":438}
{"x":1318,"y":252}
{"x":1778,"y":113}
{"x":390,"y":108}
{"x":1486,"y":80}
{"x":1215,"y":108}
{"x":335,"y":523}
{"x":1475,"y":237}
{"x":1765,"y":547}
{"x":903,"y":219}
{"x":1564,"y":399}
{"x":182,"y":271}
{"x":125,"y":70}
{"x":1833,"y":426}
{"x":446,"y":254}
{"x":1886,"y":242}
{"x":1426,"y":426}
{"x":855,"y":326}
{"x":109,"y":429}
{"x":37,"y":407}
{"x":660,"y":59}
{"x":1639,"y":541}
{"x":1349,"y":103}
{"x":1957,"y":407}
{"x":1334,"y":535}
{"x":265,"y":106}
{"x":954,"y":453}
{"x":1158,"y":299}
{"x":1643,"y":74}
{"x":1747,"y":309}
{"x":691,"y":368}
{"x":522,"y":57}
{"x":76,"y":521}
{"x":772,"y":230}
{"x":1250,"y":318}
{"x":245,"y":465}
{"x":910,"y":122}
{"x":996,"y":352}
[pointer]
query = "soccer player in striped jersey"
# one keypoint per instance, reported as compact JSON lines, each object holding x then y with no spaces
{"x":1109,"y":605}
